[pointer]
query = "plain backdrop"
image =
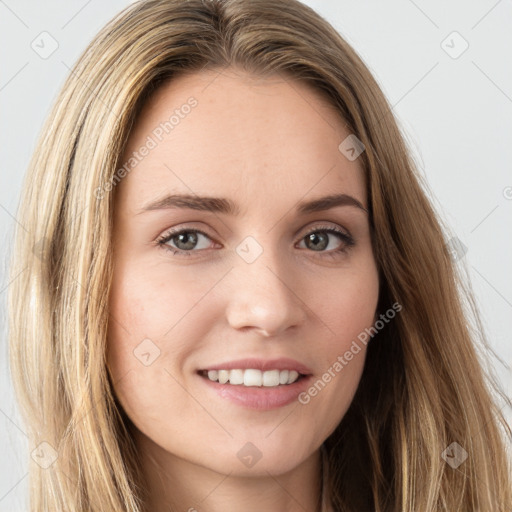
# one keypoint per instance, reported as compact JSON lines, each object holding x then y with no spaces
{"x":445,"y":68}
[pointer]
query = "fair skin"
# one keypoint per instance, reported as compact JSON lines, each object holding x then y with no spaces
{"x":265,"y":144}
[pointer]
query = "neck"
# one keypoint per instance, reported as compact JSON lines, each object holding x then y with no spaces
{"x":176,"y":484}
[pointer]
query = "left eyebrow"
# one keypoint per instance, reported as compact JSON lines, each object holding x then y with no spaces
{"x":226,"y":206}
{"x":325,"y":203}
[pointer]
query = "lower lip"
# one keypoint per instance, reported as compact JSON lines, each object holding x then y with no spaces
{"x":259,"y":398}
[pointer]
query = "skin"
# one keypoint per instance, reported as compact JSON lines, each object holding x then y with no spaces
{"x":265,"y":144}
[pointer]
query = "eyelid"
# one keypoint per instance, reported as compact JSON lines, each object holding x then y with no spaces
{"x":332,"y":226}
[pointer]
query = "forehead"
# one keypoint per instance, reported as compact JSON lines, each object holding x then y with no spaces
{"x":261,"y":141}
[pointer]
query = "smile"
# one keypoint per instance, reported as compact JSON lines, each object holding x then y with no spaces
{"x":253,"y":377}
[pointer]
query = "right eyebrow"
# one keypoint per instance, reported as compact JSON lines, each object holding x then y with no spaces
{"x":204,"y":203}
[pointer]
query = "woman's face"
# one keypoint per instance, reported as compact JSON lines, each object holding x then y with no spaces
{"x":262,"y":285}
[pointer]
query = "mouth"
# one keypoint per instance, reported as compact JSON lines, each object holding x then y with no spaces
{"x":253,"y":377}
{"x":255,"y":383}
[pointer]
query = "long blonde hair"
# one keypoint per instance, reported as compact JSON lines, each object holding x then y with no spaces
{"x":424,"y":384}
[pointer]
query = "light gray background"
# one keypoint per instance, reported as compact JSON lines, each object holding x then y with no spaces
{"x":456,"y":112}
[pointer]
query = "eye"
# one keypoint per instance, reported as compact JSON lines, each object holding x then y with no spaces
{"x":317,"y":239}
{"x":185,"y":240}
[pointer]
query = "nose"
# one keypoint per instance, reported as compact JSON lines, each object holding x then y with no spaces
{"x":264,"y":298}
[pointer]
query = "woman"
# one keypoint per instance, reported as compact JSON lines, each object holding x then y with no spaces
{"x":240,"y":296}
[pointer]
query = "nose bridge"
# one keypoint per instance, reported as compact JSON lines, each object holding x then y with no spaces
{"x":262,"y":295}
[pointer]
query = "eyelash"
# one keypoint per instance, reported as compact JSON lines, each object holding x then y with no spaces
{"x":348,"y":241}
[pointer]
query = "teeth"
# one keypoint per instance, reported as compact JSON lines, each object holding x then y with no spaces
{"x":292,"y":376}
{"x":252,"y":377}
{"x":236,"y":377}
{"x":271,"y":378}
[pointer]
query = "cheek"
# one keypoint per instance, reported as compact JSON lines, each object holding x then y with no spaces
{"x":347,"y":310}
{"x":154,"y":326}
{"x":146,"y":304}
{"x":139,"y":361}
{"x":347,"y":305}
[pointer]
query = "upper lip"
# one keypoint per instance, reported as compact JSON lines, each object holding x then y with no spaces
{"x":282,"y":363}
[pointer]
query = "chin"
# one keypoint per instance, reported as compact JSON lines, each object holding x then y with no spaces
{"x":262,"y":468}
{"x":256,"y":458}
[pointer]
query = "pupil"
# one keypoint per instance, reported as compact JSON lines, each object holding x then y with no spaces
{"x":314,"y":238}
{"x":184,"y":236}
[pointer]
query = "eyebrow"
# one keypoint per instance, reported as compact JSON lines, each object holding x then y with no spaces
{"x":228,"y":207}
